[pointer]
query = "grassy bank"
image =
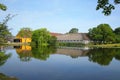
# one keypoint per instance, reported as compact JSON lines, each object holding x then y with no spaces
{"x":15,"y":44}
{"x":105,"y":45}
{"x":117,"y":45}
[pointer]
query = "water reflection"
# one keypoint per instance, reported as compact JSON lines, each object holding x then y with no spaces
{"x":5,"y":77}
{"x":24,"y":52}
{"x":27,"y":52}
{"x":3,"y":57}
{"x":73,"y":52}
{"x":43,"y":52}
{"x":104,"y":56}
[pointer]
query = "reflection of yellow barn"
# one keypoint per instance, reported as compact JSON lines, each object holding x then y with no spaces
{"x":24,"y":48}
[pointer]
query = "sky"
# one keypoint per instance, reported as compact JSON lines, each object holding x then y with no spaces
{"x":57,"y":15}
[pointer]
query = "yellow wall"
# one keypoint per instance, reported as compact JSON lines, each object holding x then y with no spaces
{"x":26,"y":40}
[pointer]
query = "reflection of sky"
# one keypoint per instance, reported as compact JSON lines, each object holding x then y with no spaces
{"x":59,"y":67}
{"x":57,"y":15}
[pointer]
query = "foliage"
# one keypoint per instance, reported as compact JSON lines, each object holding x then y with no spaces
{"x":42,"y":37}
{"x":73,"y":30}
{"x":3,"y":7}
{"x":5,"y":33}
{"x":103,"y":33}
{"x":117,"y":33}
{"x":52,"y":41}
{"x":68,"y":44}
{"x":106,"y":6}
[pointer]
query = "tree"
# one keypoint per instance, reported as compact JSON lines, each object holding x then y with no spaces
{"x":103,"y":33}
{"x":73,"y":30}
{"x":41,"y":37}
{"x":106,"y":6}
{"x":117,"y":34}
{"x":4,"y":30}
{"x":117,"y":31}
{"x":3,"y":7}
{"x":52,"y":41}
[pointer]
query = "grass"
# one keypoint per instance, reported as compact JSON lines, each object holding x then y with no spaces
{"x":105,"y":45}
{"x":15,"y":44}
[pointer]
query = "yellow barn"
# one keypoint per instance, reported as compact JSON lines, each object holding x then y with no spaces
{"x":24,"y":36}
{"x":22,"y":40}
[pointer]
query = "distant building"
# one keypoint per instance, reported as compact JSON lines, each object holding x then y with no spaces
{"x":74,"y":38}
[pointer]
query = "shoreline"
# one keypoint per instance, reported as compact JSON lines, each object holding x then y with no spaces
{"x":117,"y":45}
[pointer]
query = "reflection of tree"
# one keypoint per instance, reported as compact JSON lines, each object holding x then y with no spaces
{"x":39,"y":52}
{"x":4,"y":77}
{"x":3,"y":58}
{"x":102,"y":56}
{"x":117,"y":56}
{"x":24,"y":53}
{"x":42,"y":52}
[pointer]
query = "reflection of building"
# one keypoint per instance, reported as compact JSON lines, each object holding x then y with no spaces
{"x":73,"y":52}
{"x":24,"y":52}
{"x":24,"y":49}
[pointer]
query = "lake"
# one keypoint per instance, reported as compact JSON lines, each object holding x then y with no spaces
{"x":62,"y":63}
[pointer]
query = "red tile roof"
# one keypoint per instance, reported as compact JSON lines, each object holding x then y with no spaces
{"x":55,"y":34}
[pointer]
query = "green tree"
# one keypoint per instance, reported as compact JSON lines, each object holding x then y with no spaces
{"x":4,"y":30}
{"x":106,"y":6}
{"x":3,"y":7}
{"x":117,"y":34}
{"x":73,"y":30}
{"x":103,"y":33}
{"x":52,"y":41}
{"x":41,"y":37}
{"x":117,"y":31}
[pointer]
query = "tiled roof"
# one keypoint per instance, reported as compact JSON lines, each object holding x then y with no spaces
{"x":76,"y":36}
{"x":55,"y":34}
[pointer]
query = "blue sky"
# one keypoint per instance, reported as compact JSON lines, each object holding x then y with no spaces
{"x":57,"y":15}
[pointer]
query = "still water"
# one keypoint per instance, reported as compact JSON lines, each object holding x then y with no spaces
{"x":63,"y":63}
